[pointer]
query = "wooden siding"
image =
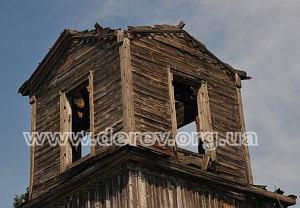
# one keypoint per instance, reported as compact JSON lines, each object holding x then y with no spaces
{"x":130,"y":78}
{"x":103,"y":59}
{"x":135,"y":186}
{"x":151,"y":55}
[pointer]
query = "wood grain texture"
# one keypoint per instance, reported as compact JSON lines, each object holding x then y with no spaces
{"x":205,"y":123}
{"x":130,"y":78}
{"x":172,"y":107}
{"x":151,"y":55}
{"x":127,"y":88}
{"x":137,"y":183}
{"x":32,"y":147}
{"x":243,"y":129}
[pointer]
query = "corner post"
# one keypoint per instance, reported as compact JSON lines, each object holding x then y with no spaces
{"x":92,"y":124}
{"x":238,"y":84}
{"x":127,"y":86}
{"x":32,"y":101}
{"x":172,"y":108}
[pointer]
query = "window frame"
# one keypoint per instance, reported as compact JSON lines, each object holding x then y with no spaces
{"x":204,"y":122}
{"x":66,"y":122}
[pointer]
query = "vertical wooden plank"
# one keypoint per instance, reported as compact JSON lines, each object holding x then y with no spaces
{"x":205,"y":123}
{"x":88,"y":199}
{"x":151,"y":190}
{"x":92,"y":124}
{"x":160,"y":191}
{"x":99,"y":197}
{"x":127,"y":88}
{"x":125,"y":187}
{"x":179,"y":196}
{"x":142,"y":191}
{"x":107,"y":194}
{"x":120,"y":36}
{"x":156,"y":192}
{"x":172,"y":107}
{"x":92,"y":198}
{"x":65,"y":126}
{"x":32,"y":101}
{"x":204,"y":200}
{"x":113,"y":194}
{"x":170,"y":191}
{"x":131,"y":190}
{"x":243,"y":128}
{"x":184,"y":194}
{"x":165,"y":194}
{"x":209,"y":200}
{"x":134,"y":180}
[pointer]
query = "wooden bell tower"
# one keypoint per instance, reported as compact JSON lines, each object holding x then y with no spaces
{"x":132,"y":82}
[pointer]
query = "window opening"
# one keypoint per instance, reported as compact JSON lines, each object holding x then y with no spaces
{"x":80,"y":107}
{"x":185,"y":95}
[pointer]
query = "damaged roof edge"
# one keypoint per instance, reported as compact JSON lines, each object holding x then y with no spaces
{"x":57,"y":49}
{"x":33,"y":81}
{"x":242,"y":74}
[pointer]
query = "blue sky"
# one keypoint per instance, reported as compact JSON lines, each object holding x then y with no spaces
{"x":260,"y":37}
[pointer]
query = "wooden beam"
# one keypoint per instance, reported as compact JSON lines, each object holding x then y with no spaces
{"x":120,"y":36}
{"x":205,"y":161}
{"x":65,"y":126}
{"x":181,"y":25}
{"x":92,"y":120}
{"x":243,"y":128}
{"x":238,"y":82}
{"x":98,"y":27}
{"x":32,"y":148}
{"x":187,"y":49}
{"x":205,"y":123}
{"x":155,"y":31}
{"x":127,"y":88}
{"x":172,"y":107}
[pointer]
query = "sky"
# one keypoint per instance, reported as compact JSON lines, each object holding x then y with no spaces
{"x":260,"y":37}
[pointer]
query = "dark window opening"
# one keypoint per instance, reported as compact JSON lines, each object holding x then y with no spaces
{"x":80,"y":107}
{"x":185,"y":103}
{"x":185,"y":95}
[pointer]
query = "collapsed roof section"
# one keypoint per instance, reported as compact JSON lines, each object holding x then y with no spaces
{"x":69,"y":37}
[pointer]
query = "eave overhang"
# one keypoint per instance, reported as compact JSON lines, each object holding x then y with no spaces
{"x":50,"y":58}
{"x":117,"y":157}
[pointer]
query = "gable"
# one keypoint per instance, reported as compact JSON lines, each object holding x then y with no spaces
{"x":175,"y":37}
{"x":72,"y":46}
{"x":69,"y":49}
{"x":77,"y":52}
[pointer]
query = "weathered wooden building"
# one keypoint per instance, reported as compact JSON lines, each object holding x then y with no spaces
{"x":144,"y":79}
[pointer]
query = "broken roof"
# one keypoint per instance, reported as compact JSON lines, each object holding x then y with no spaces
{"x":100,"y":33}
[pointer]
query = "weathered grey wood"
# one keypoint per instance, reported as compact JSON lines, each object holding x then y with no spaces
{"x":243,"y":129}
{"x":120,"y":36}
{"x":205,"y":161}
{"x":130,"y":80}
{"x":32,"y":101}
{"x":172,"y":107}
{"x":98,"y":27}
{"x":182,"y":47}
{"x":142,"y":191}
{"x":127,"y":88}
{"x":65,"y":126}
{"x":92,"y":112}
{"x":181,"y":25}
{"x":205,"y":123}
